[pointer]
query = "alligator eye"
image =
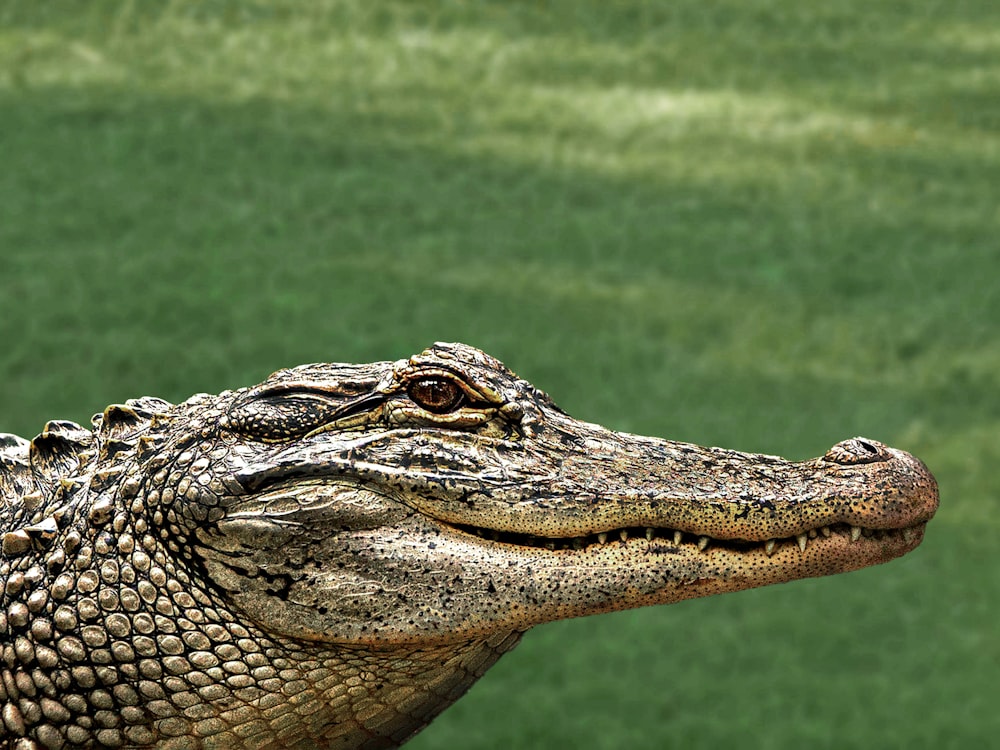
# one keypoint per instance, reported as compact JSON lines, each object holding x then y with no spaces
{"x":436,"y":395}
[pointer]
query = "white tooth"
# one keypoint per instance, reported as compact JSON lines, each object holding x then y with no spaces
{"x":801,"y":539}
{"x":550,"y":544}
{"x":602,"y":537}
{"x":769,"y":547}
{"x":677,"y":537}
{"x":623,"y":535}
{"x":855,"y":533}
{"x":703,"y":543}
{"x":825,"y":531}
{"x":908,"y":535}
{"x":649,"y":534}
{"x":812,"y":533}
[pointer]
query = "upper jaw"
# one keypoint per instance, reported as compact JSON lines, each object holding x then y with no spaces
{"x":569,"y":480}
{"x":610,"y":482}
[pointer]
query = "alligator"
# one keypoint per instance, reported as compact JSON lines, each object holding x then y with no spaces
{"x":332,"y":557}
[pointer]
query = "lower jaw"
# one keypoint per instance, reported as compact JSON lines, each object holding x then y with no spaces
{"x":674,"y":574}
{"x":526,"y":586}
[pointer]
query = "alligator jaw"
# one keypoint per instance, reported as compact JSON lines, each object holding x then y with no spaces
{"x":663,"y":571}
{"x":890,"y":506}
{"x":909,"y":538}
{"x":364,"y":518}
{"x":861,"y":504}
{"x":531,"y":530}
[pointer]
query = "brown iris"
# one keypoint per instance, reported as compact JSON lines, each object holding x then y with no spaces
{"x":437,"y":395}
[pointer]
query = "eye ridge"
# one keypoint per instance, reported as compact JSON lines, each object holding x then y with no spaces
{"x":436,"y":394}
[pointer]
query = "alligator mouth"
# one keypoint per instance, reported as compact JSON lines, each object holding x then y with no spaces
{"x":681,"y":539}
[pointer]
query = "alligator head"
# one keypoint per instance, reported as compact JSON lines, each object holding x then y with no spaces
{"x":441,"y":499}
{"x":332,"y":557}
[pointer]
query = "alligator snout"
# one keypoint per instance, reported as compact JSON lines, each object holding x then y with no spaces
{"x":904,"y":490}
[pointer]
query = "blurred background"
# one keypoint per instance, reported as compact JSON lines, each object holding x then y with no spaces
{"x":767,"y":226}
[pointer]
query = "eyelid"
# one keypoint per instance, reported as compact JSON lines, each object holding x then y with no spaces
{"x":287,"y":413}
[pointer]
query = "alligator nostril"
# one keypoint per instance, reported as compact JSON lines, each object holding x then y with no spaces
{"x":856,"y":451}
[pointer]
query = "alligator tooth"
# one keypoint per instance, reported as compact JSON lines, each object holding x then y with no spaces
{"x":677,"y":537}
{"x":623,"y":535}
{"x":825,"y":531}
{"x":649,"y":534}
{"x":812,"y":533}
{"x":769,"y":547}
{"x":703,"y":543}
{"x":550,"y":544}
{"x":602,"y":537}
{"x":908,"y":535}
{"x":801,"y":539}
{"x":855,"y":533}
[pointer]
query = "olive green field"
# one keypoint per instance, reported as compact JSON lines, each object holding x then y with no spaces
{"x":767,"y":226}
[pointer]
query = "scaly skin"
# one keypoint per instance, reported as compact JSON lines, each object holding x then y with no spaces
{"x":331,"y":558}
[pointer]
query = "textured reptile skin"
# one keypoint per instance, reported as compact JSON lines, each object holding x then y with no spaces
{"x":331,"y":558}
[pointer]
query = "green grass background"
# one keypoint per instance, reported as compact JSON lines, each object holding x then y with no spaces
{"x":764,"y":225}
